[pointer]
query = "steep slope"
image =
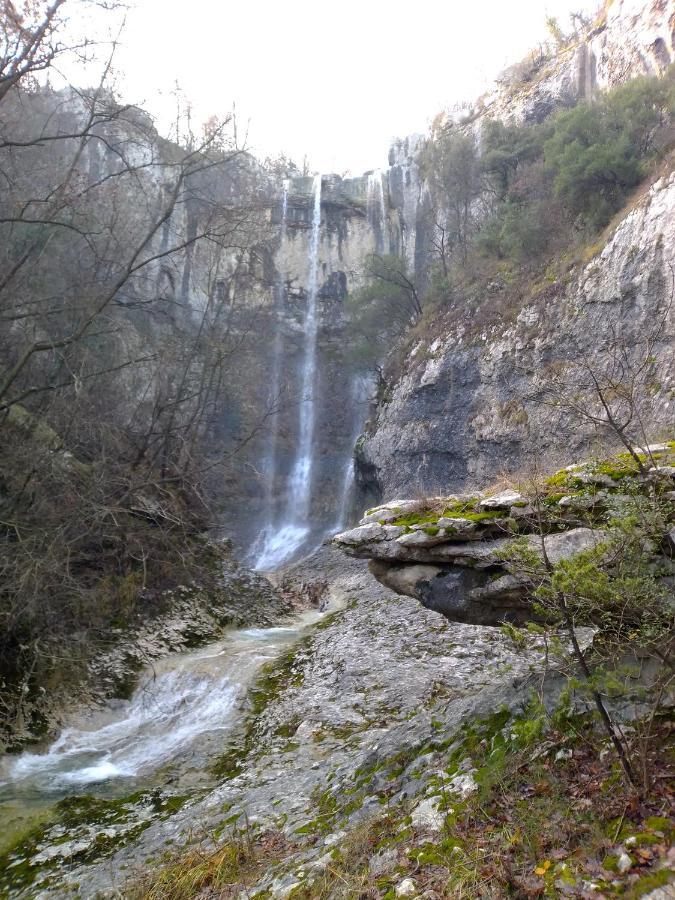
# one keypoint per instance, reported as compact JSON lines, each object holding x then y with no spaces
{"x":472,"y":403}
{"x":492,"y":387}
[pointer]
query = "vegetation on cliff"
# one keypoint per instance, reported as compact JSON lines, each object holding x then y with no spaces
{"x":515,"y":206}
{"x":120,"y":399}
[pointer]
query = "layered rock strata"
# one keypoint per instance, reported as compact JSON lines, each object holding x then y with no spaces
{"x":461,"y":555}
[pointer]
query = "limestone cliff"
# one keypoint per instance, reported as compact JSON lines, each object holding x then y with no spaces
{"x":629,"y":38}
{"x":469,"y":403}
{"x":471,"y":399}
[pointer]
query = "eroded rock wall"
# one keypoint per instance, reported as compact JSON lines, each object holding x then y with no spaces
{"x":470,"y":402}
{"x":473,"y":405}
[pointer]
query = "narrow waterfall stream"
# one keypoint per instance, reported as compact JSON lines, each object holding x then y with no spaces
{"x":269,"y":470}
{"x":301,"y":477}
{"x":377,"y":210}
{"x":168,"y":733}
{"x":282,"y":542}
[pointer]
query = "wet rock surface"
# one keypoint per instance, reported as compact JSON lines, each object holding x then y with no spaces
{"x":379,"y":677}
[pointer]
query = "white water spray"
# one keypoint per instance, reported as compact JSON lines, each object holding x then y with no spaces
{"x":283,"y":542}
{"x":269,"y":467}
{"x":177,"y":714}
{"x":377,"y":210}
{"x":301,"y":477}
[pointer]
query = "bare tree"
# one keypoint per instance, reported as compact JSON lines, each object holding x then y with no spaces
{"x":130,"y":294}
{"x":611,"y":388}
{"x":451,"y":166}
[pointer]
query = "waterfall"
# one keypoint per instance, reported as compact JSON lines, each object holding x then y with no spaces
{"x":281,"y":543}
{"x":377,"y":210}
{"x":361,"y":387}
{"x":269,"y":468}
{"x":301,"y":478}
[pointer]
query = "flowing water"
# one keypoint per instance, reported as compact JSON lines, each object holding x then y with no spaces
{"x":301,"y":477}
{"x":283,"y":542}
{"x":360,"y":398}
{"x":377,"y":211}
{"x":264,"y":545}
{"x":169,"y":732}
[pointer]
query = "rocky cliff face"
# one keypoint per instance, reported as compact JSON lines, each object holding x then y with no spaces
{"x":471,"y":401}
{"x":471,"y":405}
{"x":476,"y":382}
{"x":629,"y":38}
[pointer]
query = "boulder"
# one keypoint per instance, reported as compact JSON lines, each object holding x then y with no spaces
{"x":406,"y":888}
{"x":655,"y":448}
{"x":391,"y":542}
{"x":505,"y":500}
{"x":598,"y":479}
{"x":567,"y":543}
{"x":662,"y":472}
{"x":389,"y":512}
{"x":427,"y":815}
{"x":460,"y":594}
{"x":458,"y":529}
{"x":421,"y":538}
{"x":382,"y":863}
{"x":365,"y":535}
{"x":579,"y":501}
{"x":395,"y":509}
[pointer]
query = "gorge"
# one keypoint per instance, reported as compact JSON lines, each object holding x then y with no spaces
{"x":227,"y":384}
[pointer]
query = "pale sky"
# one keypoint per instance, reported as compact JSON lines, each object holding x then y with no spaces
{"x":333,"y":81}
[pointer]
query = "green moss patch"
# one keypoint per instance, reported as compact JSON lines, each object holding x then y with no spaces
{"x":96,"y":828}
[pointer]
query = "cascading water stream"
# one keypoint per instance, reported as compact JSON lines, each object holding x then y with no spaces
{"x":269,"y":468}
{"x":301,"y":477}
{"x":377,"y":209}
{"x":177,"y":715}
{"x":282,"y":542}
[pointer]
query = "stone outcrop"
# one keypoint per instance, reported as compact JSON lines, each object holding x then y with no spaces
{"x":466,"y":557}
{"x":464,"y":578}
{"x":629,"y":38}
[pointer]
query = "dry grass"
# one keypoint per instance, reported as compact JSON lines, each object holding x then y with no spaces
{"x":216,"y":869}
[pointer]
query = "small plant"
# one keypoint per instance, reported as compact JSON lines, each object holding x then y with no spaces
{"x":615,"y":588}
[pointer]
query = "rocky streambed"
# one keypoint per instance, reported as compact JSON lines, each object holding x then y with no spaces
{"x":350,"y":720}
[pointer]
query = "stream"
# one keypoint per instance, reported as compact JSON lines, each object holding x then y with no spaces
{"x":167,"y":735}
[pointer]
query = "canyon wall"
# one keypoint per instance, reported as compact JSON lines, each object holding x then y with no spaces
{"x":472,"y":402}
{"x":466,"y":402}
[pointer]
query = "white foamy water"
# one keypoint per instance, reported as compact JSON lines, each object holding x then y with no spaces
{"x":185,"y":700}
{"x":277,"y":545}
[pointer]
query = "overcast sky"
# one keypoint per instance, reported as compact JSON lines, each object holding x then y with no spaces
{"x":333,"y":81}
